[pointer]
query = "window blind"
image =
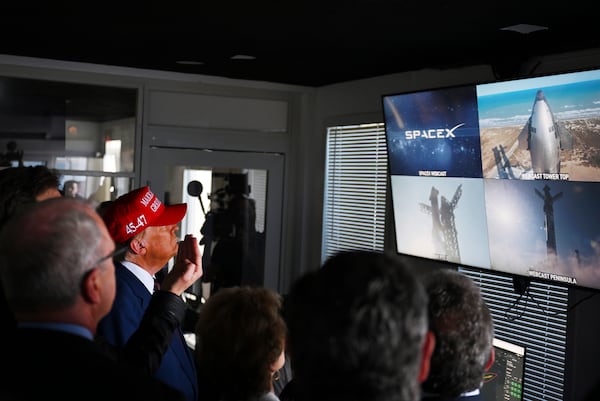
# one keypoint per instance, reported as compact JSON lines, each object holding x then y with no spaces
{"x":537,"y":320}
{"x":355,"y":188}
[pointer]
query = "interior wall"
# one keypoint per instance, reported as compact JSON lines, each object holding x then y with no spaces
{"x":583,"y":350}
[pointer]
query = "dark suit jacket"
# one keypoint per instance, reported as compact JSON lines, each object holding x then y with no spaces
{"x":146,"y":347}
{"x":177,"y":368}
{"x":43,"y":364}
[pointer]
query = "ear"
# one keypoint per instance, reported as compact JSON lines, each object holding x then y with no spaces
{"x":278,"y":364}
{"x":490,"y":361}
{"x":428,"y":346}
{"x":137,"y":246}
{"x":91,"y":287}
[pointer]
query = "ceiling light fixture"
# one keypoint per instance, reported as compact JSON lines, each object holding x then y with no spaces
{"x":242,"y":57}
{"x":189,"y":62}
{"x":524,"y":28}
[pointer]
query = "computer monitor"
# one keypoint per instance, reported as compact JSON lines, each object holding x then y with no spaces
{"x":504,"y":380}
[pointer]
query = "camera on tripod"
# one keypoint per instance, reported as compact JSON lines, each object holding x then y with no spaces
{"x":227,"y":214}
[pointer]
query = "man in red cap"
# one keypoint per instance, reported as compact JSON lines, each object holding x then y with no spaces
{"x":146,"y":228}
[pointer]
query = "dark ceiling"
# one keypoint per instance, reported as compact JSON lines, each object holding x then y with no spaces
{"x":307,"y":42}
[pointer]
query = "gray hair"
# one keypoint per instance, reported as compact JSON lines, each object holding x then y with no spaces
{"x":357,"y":328}
{"x":45,"y":253}
{"x":463,"y":327}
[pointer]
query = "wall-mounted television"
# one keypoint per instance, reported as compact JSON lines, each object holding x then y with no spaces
{"x":502,"y":176}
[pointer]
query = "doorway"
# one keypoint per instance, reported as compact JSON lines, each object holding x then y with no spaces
{"x":234,"y":208}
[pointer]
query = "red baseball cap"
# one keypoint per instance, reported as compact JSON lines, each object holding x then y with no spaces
{"x":133,"y":212}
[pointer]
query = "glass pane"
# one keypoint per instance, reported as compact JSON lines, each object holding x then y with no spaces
{"x":226,"y":210}
{"x":67,"y":126}
{"x":97,"y":189}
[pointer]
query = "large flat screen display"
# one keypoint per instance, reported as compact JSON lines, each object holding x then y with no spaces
{"x":502,"y":176}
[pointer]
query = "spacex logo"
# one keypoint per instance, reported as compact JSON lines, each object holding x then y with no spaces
{"x":434,"y":133}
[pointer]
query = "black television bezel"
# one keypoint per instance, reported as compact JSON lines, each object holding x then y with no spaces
{"x":518,"y":278}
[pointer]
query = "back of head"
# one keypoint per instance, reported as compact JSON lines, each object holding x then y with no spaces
{"x":463,"y":327}
{"x":240,"y":333}
{"x":20,"y":187}
{"x":44,"y":253}
{"x":356,"y":329}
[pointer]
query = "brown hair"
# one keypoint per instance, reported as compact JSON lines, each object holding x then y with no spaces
{"x":240,"y":333}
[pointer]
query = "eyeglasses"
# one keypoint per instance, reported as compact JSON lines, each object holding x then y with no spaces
{"x":116,"y":252}
{"x":113,"y":254}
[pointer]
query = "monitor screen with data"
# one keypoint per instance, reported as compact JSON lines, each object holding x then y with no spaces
{"x":504,"y":380}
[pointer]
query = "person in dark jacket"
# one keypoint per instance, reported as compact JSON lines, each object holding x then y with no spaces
{"x":358,"y":331}
{"x":24,"y":186}
{"x":139,"y":222}
{"x":58,"y":278}
{"x":464,"y":332}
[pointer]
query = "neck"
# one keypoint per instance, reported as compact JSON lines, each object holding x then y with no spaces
{"x":151,"y":266}
{"x":68,"y":316}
